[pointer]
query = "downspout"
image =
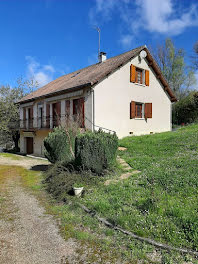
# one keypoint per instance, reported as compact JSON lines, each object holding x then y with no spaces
{"x":93,"y":108}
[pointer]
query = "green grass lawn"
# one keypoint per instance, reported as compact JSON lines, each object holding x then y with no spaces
{"x":10,"y":155}
{"x":162,"y":201}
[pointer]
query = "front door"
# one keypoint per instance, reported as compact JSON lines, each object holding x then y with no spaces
{"x":29,"y":142}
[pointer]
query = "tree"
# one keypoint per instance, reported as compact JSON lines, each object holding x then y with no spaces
{"x":9,"y":110}
{"x":171,"y":61}
{"x":195,"y":57}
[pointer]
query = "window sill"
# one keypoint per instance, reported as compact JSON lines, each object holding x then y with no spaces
{"x":140,"y":84}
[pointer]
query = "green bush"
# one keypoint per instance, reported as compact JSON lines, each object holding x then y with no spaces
{"x":186,"y":110}
{"x":95,"y":151}
{"x":57,"y":145}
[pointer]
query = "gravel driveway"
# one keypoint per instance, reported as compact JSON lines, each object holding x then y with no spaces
{"x":27,"y":234}
{"x":25,"y":162}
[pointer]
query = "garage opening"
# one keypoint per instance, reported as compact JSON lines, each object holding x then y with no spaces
{"x":29,"y":145}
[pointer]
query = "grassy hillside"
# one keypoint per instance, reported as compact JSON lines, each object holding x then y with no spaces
{"x":161,"y":202}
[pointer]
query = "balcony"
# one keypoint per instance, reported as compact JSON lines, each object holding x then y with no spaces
{"x":27,"y":124}
{"x":40,"y":123}
{"x":50,"y":122}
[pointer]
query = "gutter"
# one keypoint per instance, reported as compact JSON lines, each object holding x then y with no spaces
{"x":56,"y":93}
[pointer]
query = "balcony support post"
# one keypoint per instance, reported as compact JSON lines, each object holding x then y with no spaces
{"x":51,"y":116}
{"x":27,"y":118}
{"x":44,"y":114}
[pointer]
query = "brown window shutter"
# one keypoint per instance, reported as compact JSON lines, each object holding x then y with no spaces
{"x":146,"y":77}
{"x":132,"y":73}
{"x":82,"y":111}
{"x":132,"y":109}
{"x":148,"y":110}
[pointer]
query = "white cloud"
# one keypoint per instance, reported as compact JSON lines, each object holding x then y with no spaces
{"x":43,"y":74}
{"x":92,"y":59}
{"x":166,"y":17}
{"x":126,"y":40}
{"x":49,"y":68}
{"x":103,"y":8}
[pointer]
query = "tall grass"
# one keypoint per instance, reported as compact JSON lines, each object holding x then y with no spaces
{"x":162,"y":201}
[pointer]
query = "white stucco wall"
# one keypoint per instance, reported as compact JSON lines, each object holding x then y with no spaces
{"x":88,"y":109}
{"x":40,"y":133}
{"x":22,"y":143}
{"x":38,"y":138}
{"x":114,"y":94}
{"x":38,"y":142}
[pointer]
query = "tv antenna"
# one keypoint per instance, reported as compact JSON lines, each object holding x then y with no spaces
{"x":98,"y":29}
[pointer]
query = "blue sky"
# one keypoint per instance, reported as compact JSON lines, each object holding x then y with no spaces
{"x":45,"y":39}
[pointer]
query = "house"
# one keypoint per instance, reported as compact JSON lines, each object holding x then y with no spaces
{"x":127,"y":94}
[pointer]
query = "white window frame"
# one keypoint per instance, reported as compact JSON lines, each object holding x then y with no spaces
{"x":143,"y":107}
{"x":143,"y":77}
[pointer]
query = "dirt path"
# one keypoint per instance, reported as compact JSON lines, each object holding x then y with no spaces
{"x":27,"y":234}
{"x":25,"y":162}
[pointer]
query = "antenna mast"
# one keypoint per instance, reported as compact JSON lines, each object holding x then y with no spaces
{"x":98,"y":29}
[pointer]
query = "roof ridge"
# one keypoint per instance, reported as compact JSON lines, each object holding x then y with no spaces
{"x":127,"y":52}
{"x":105,"y":60}
{"x":90,"y":74}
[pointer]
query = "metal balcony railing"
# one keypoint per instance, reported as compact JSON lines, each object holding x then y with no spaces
{"x":41,"y":122}
{"x":35,"y":123}
{"x":51,"y":122}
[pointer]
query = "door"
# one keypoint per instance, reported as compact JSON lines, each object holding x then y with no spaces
{"x":30,"y":117}
{"x":40,"y":119}
{"x":48,"y":116}
{"x":29,"y":145}
{"x":78,"y":111}
{"x":56,"y":108}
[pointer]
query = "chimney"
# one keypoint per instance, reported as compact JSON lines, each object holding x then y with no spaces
{"x":102,"y":56}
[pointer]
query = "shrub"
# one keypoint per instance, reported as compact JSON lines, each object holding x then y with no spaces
{"x":186,"y":110}
{"x":95,"y":151}
{"x":58,"y":145}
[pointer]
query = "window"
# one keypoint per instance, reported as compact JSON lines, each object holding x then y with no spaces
{"x":67,"y":111}
{"x":140,"y":110}
{"x":138,"y":75}
{"x":78,"y":111}
{"x":30,"y":117}
{"x":56,"y":112}
{"x":40,"y":117}
{"x":47,"y":115}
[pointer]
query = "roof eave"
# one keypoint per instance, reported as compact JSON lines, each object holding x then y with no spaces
{"x":75,"y":88}
{"x":160,"y":76}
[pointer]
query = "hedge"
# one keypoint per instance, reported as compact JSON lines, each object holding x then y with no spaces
{"x":95,"y":151}
{"x":186,"y":110}
{"x":57,"y":146}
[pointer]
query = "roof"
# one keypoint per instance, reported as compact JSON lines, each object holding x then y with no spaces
{"x":91,"y":75}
